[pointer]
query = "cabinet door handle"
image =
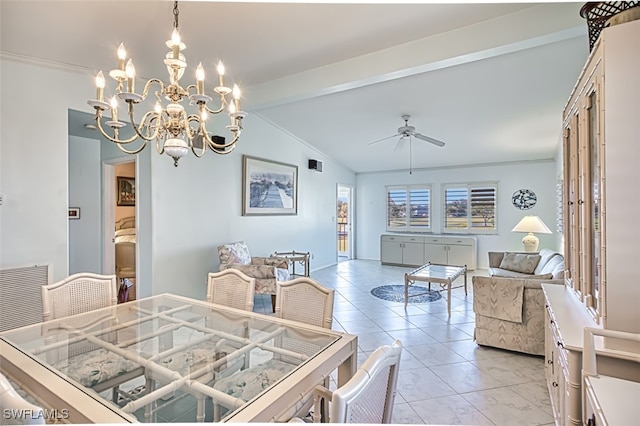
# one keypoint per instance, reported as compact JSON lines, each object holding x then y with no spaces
{"x":550,"y":361}
{"x":554,"y":384}
{"x":560,"y":345}
{"x":580,"y":202}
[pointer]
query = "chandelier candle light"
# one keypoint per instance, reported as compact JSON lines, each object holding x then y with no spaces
{"x":531,"y":224}
{"x":172,"y":128}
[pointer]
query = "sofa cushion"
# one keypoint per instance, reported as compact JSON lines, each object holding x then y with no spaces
{"x":520,"y":262}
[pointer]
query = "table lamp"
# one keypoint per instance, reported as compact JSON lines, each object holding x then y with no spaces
{"x":531,"y":224}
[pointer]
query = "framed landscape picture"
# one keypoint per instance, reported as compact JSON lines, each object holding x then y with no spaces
{"x":126,"y":191}
{"x":268,"y":187}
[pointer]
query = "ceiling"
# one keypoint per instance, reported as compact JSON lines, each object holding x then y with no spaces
{"x":490,"y":80}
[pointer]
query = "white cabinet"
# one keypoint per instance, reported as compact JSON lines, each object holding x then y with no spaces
{"x":416,"y":250}
{"x":451,"y":251}
{"x":566,"y":319}
{"x":402,"y":250}
{"x":601,"y":153}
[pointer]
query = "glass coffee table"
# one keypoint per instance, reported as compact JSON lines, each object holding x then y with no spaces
{"x":444,"y":275}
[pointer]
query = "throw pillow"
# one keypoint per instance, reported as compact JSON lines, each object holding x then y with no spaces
{"x":239,"y":253}
{"x":519,"y":262}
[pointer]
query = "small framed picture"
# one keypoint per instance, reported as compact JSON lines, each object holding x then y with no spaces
{"x":126,"y":191}
{"x":74,"y":212}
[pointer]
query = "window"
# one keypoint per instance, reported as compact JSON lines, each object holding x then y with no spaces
{"x":470,"y":208}
{"x":409,"y":208}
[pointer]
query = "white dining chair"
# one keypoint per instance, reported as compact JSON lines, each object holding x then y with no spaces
{"x":303,"y":300}
{"x":369,"y":395}
{"x":77,"y":294}
{"x":231,"y":287}
{"x":15,"y":409}
{"x":88,"y":364}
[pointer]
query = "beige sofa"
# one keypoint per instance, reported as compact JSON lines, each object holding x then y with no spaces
{"x":509,"y":304}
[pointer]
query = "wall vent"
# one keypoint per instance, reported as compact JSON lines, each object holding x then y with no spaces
{"x":21,"y":295}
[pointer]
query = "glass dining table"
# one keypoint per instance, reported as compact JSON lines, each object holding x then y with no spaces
{"x":181,"y":349}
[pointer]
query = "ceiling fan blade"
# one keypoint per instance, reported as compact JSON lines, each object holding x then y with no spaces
{"x":428,"y":139}
{"x":383,"y":139}
{"x":400,"y":143}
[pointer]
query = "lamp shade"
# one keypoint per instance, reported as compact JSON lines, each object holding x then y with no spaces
{"x":531,"y":224}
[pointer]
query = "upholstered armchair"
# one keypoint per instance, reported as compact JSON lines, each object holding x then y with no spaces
{"x":265,"y":270}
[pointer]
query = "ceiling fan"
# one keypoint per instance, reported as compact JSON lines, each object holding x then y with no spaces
{"x":407,"y":132}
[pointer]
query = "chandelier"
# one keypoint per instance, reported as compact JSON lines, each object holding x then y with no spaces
{"x":174,"y":130}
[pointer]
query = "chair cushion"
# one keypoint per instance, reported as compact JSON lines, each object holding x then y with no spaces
{"x":95,"y":367}
{"x":520,"y":262}
{"x":194,"y":358}
{"x":248,"y":383}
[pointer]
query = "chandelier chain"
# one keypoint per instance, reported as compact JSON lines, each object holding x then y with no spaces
{"x":175,"y":14}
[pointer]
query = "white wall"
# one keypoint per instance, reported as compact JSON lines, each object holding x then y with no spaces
{"x":537,"y":176}
{"x":198,"y":206}
{"x":184,"y":213}
{"x":85,"y":240}
{"x":33,"y":163}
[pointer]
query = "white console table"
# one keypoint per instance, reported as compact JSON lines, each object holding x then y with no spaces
{"x":417,"y":250}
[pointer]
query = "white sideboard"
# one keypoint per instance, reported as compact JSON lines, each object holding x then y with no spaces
{"x":416,"y":250}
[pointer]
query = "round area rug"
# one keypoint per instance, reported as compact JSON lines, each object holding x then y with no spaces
{"x":395,"y":293}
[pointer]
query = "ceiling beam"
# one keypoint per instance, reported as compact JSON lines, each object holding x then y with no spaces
{"x":525,"y":29}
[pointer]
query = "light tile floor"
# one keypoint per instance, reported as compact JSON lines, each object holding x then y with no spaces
{"x":445,"y":378}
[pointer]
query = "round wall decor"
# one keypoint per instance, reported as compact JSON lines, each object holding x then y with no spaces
{"x":524,"y":199}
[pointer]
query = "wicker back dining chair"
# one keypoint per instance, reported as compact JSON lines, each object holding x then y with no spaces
{"x":232,"y":288}
{"x":369,"y":395}
{"x":77,"y":294}
{"x":90,"y":365}
{"x":302,"y":300}
{"x":305,"y":300}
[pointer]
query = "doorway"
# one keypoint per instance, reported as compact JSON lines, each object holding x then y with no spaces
{"x":344,"y":222}
{"x":120,"y":229}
